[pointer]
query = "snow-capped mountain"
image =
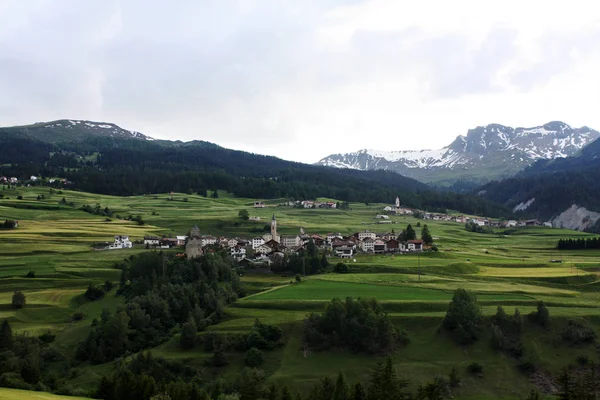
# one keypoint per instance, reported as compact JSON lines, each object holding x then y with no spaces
{"x":69,"y":130}
{"x":485,"y":153}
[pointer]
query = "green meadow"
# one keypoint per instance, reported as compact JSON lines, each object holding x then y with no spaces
{"x":512,"y":268}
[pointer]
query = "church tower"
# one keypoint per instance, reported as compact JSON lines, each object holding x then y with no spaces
{"x":274,"y":234}
{"x":397,"y":202}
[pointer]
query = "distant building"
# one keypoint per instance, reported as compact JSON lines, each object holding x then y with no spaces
{"x":151,"y":240}
{"x":121,"y":242}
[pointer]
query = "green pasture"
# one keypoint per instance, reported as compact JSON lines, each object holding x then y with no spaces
{"x":512,"y":267}
{"x":15,"y":394}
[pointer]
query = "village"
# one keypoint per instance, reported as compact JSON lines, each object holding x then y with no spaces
{"x":267,"y":248}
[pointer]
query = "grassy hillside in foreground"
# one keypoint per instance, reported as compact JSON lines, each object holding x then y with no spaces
{"x":15,"y":394}
{"x":509,"y":268}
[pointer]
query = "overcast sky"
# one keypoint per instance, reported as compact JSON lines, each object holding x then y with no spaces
{"x":301,"y":79}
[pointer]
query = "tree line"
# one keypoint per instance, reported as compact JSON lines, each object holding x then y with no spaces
{"x":578,"y":244}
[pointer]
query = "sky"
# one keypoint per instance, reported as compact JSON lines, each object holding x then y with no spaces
{"x":301,"y":79}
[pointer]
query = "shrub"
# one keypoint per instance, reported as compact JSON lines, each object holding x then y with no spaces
{"x":475,"y":368}
{"x":340,"y":268}
{"x":108,"y":285}
{"x":94,"y":293}
{"x":463,"y":317}
{"x":541,"y":316}
{"x":77,"y":316}
{"x":18,"y":299}
{"x":47,"y":337}
{"x":298,"y":278}
{"x":576,"y":333}
{"x":30,"y":274}
{"x":254,"y":358}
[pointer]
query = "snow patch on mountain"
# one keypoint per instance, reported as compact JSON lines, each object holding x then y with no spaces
{"x":524,"y":205}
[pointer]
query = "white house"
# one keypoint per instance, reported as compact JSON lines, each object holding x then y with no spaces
{"x":238,"y":253}
{"x":257,"y":241}
{"x":232,"y":242}
{"x":344,"y":251}
{"x":366,"y":234}
{"x":367,"y":245}
{"x":330,"y":236}
{"x":263,"y":249}
{"x":33,"y":178}
{"x":414,"y":245}
{"x":259,"y":204}
{"x":151,"y":240}
{"x":208,"y":240}
{"x":387,"y":208}
{"x":121,"y":242}
{"x":382,"y":216}
{"x":291,"y":241}
{"x":511,"y":223}
{"x":181,"y":240}
{"x":253,"y":218}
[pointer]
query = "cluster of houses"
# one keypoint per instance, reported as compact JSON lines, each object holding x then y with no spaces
{"x":6,"y":179}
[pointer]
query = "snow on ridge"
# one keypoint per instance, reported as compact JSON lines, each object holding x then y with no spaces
{"x":409,"y":155}
{"x":524,"y":205}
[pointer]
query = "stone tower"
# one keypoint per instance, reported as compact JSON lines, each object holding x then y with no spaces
{"x":274,"y":229}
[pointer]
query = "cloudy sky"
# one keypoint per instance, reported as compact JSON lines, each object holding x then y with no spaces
{"x":301,"y":79}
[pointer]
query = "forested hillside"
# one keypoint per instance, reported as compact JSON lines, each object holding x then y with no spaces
{"x":554,"y":184}
{"x":132,"y":165}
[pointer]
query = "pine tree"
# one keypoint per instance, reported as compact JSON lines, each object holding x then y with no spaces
{"x":187,"y":339}
{"x":426,"y":236}
{"x":358,"y":392}
{"x":409,"y":233}
{"x":273,"y":392}
{"x":341,"y":388}
{"x":286,"y":394}
{"x":6,"y":336}
{"x":106,"y":389}
{"x":566,"y":385}
{"x":327,"y":388}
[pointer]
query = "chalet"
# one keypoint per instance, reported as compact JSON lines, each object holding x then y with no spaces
{"x":259,"y":204}
{"x":387,"y":208}
{"x":291,"y":241}
{"x":13,"y":180}
{"x":232,"y":243}
{"x":121,"y":242}
{"x":254,"y":218}
{"x":478,"y":222}
{"x":151,"y":241}
{"x":33,"y":178}
{"x":238,"y":253}
{"x":511,"y":223}
{"x":379,"y":246}
{"x":330,"y":236}
{"x":243,"y":242}
{"x":366,"y":234}
{"x":388,"y":236}
{"x":257,"y":241}
{"x":308,"y":204}
{"x":393,"y":246}
{"x":344,"y":251}
{"x":414,"y":245}
{"x":180,"y":240}
{"x":208,"y":240}
{"x":532,"y":222}
{"x":367,"y":245}
{"x":318,"y":240}
{"x":547,"y":224}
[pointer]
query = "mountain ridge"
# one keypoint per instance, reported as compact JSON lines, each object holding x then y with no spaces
{"x":484,"y":153}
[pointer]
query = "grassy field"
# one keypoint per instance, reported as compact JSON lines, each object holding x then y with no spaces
{"x":512,"y":268}
{"x":14,"y":394}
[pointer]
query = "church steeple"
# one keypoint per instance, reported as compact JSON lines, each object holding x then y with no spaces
{"x":274,"y":234}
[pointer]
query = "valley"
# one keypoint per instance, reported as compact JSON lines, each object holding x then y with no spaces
{"x":511,"y":267}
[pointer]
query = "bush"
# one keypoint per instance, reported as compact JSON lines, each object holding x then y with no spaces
{"x":463,"y":317}
{"x":577,"y":333}
{"x":541,"y":316}
{"x":298,"y":278}
{"x":18,"y":299}
{"x":254,"y":358}
{"x":108,"y":285}
{"x":475,"y":368}
{"x":78,"y":316}
{"x":30,"y":274}
{"x":340,"y":268}
{"x":47,"y":337}
{"x":94,"y":293}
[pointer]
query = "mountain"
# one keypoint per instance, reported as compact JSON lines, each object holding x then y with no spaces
{"x":486,"y":152}
{"x":67,"y":130}
{"x":105,"y":160}
{"x":564,"y":191}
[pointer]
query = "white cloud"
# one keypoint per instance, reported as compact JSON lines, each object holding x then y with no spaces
{"x":301,"y":80}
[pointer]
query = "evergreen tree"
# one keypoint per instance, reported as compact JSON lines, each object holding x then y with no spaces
{"x":341,"y":388}
{"x":106,"y":389}
{"x":273,"y":393}
{"x":358,"y":392}
{"x":426,"y":236}
{"x":188,"y":334}
{"x":409,"y":233}
{"x":566,"y":385}
{"x":286,"y":394}
{"x":463,"y":317}
{"x":533,"y":395}
{"x":6,"y":336}
{"x":385,"y":385}
{"x":327,"y":388}
{"x":18,"y":299}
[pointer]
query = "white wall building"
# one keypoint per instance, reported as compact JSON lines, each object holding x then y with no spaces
{"x":121,"y":242}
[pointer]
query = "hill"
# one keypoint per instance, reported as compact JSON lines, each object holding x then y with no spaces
{"x":128,"y":164}
{"x":486,"y":152}
{"x":565,"y":191}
